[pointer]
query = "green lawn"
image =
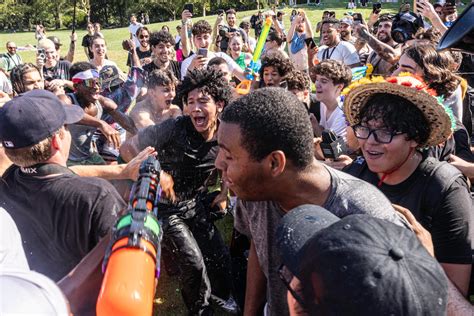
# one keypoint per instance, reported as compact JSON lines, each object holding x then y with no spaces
{"x":114,"y":37}
{"x":168,"y":300}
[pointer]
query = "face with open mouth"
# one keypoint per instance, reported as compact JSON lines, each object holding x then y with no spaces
{"x":326,"y":90}
{"x":271,"y":77}
{"x":162,"y":96}
{"x":383,"y":158}
{"x":328,"y":34}
{"x":203,"y":111}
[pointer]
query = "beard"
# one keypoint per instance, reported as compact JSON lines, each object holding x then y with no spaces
{"x":384,"y":37}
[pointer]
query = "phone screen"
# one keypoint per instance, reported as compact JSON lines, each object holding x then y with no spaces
{"x":202,"y":52}
{"x":189,"y":7}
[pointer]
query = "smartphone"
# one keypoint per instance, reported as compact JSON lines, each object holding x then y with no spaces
{"x":41,"y":54}
{"x":310,"y":42}
{"x":377,"y":7}
{"x":189,"y":7}
{"x":357,"y":17}
{"x":202,"y":52}
{"x":220,"y":12}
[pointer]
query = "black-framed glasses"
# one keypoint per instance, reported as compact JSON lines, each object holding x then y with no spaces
{"x":286,"y":276}
{"x":381,"y":135}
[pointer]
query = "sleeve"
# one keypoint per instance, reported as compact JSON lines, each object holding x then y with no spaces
{"x":84,"y":41}
{"x":156,"y":135}
{"x":185,"y":65}
{"x":230,"y":62}
{"x":350,"y":55}
{"x":452,"y":225}
{"x":241,"y":221}
{"x":105,"y":211}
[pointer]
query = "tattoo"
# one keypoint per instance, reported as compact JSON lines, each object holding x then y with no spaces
{"x":385,"y":52}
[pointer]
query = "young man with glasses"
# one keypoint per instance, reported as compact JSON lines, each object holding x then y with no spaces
{"x":271,"y":169}
{"x":10,"y":59}
{"x":143,"y":50}
{"x":55,"y":72}
{"x":394,"y":120}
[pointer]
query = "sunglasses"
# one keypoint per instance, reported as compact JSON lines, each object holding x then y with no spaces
{"x":91,"y":83}
{"x":10,"y":47}
{"x":144,"y":36}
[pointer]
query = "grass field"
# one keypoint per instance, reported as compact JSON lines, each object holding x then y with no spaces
{"x":114,"y":37}
{"x":168,"y":300}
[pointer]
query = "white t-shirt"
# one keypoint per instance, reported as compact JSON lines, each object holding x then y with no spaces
{"x":344,"y":51}
{"x":230,"y":62}
{"x":133,"y":28}
{"x":336,"y":121}
{"x":5,"y":84}
{"x":12,"y":254}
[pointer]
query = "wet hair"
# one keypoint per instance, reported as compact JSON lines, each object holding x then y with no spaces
{"x":201,"y":27}
{"x":334,"y":70}
{"x":276,"y":60}
{"x":17,"y":74}
{"x":161,"y":78}
{"x":298,"y":80}
{"x":140,"y":29}
{"x":216,"y":61}
{"x":161,"y":37}
{"x":209,"y":81}
{"x":287,"y":126}
{"x":80,"y":67}
{"x":275,"y":36}
{"x":435,"y":67}
{"x":333,"y":21}
{"x":397,"y":114}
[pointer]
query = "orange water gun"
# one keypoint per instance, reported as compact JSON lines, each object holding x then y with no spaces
{"x":132,"y":260}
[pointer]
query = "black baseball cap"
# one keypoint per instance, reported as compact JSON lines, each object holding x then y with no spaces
{"x":369,"y":266}
{"x":460,"y":36}
{"x":34,"y":116}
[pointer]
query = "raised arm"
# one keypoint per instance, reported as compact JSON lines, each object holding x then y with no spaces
{"x":386,"y":52}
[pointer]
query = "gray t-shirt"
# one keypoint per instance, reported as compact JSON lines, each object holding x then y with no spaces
{"x":259,"y":220}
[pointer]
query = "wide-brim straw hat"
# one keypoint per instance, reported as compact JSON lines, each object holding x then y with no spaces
{"x":408,"y":87}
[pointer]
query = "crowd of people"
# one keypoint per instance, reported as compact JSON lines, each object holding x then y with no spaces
{"x":345,"y":163}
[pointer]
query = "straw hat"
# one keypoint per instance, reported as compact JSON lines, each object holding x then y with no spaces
{"x":408,"y":87}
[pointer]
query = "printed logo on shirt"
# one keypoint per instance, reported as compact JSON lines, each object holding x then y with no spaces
{"x":28,"y":170}
{"x":8,"y":144}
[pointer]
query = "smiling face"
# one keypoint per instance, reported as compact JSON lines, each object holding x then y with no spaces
{"x":345,"y":30}
{"x":242,"y":174}
{"x":231,"y":19}
{"x":51,"y":55}
{"x":329,"y":35}
{"x":203,"y":111}
{"x":326,"y":91}
{"x":271,"y":77}
{"x":236,"y":45}
{"x":90,"y":91}
{"x":384,"y":32}
{"x":99,"y":48}
{"x":202,"y":40}
{"x":162,"y":51}
{"x":384,"y":158}
{"x":11,"y":48}
{"x":144,"y":38}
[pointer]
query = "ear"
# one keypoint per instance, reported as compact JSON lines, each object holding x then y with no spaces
{"x":56,"y":141}
{"x":276,"y":162}
{"x":220,"y":106}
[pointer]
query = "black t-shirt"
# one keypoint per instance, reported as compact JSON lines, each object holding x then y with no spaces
{"x":61,"y":218}
{"x":438,"y":196}
{"x":141,"y":56}
{"x":60,"y":71}
{"x":87,"y":42}
{"x":182,"y":152}
{"x":174,"y":67}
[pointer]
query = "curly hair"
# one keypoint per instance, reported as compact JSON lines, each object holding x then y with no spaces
{"x":278,"y":62}
{"x":397,"y":114}
{"x":335,"y":22}
{"x":209,"y":81}
{"x":286,"y":125}
{"x":334,"y":70}
{"x":161,"y":37}
{"x":201,"y":27}
{"x":298,"y":80}
{"x":17,"y":76}
{"x":80,"y":67}
{"x":435,"y":66}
